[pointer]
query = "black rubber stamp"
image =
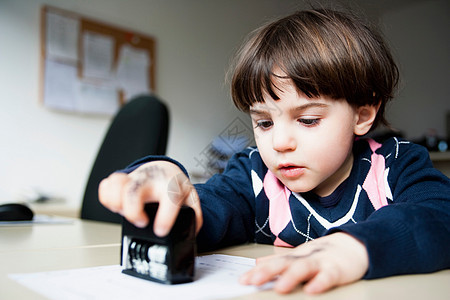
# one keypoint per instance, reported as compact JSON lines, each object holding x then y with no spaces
{"x":170,"y":259}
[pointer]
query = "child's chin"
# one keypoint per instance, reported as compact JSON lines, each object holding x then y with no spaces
{"x":295,"y":188}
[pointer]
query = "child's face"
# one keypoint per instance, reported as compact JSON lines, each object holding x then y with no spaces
{"x":305,"y":142}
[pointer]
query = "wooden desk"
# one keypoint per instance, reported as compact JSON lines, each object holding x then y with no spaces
{"x":50,"y":260}
{"x":434,"y":286}
{"x":76,"y":233}
{"x":37,"y":248}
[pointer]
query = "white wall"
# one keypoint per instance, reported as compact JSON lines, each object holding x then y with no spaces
{"x":196,"y":39}
{"x":419,"y":33}
{"x":53,"y":152}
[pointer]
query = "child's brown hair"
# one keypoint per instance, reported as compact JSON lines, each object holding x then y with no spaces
{"x":324,"y":52}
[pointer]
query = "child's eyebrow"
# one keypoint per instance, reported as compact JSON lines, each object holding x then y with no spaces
{"x":254,"y":111}
{"x":263,"y":111}
{"x":308,"y":106}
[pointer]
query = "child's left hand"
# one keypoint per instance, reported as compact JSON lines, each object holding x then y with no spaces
{"x":322,"y":264}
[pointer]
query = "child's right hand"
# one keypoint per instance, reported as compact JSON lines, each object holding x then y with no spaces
{"x":326,"y":262}
{"x":157,"y":181}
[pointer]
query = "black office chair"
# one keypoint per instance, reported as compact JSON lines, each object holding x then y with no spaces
{"x":140,"y":128}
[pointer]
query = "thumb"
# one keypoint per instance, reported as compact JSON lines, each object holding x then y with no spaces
{"x":179,"y":192}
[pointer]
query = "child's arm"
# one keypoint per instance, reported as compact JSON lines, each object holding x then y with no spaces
{"x":326,"y":262}
{"x":411,"y":235}
{"x":225,"y":212}
{"x":156,"y":181}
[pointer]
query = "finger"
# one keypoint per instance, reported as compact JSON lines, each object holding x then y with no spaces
{"x":134,"y":198}
{"x":171,"y":196}
{"x":299,"y":271}
{"x":179,"y":192}
{"x":264,"y":271}
{"x":266,"y":258}
{"x":247,"y":277}
{"x":322,"y":282}
{"x":110,"y":191}
{"x":165,"y":216}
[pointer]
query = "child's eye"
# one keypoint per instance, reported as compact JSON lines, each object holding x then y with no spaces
{"x":309,"y":122}
{"x":264,"y":124}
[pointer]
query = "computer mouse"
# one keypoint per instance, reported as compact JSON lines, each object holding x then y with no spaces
{"x":15,"y":212}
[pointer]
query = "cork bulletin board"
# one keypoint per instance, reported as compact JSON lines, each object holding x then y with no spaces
{"x":91,"y":67}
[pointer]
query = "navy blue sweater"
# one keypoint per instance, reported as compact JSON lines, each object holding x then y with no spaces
{"x":394,"y":201}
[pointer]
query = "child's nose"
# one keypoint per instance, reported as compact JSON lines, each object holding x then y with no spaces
{"x":283,"y":139}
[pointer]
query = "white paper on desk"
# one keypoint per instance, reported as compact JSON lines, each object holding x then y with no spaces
{"x":38,"y":219}
{"x":216,"y":277}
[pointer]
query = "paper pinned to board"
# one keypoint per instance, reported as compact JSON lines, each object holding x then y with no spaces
{"x":132,"y":74}
{"x":98,"y":55}
{"x":61,"y":85}
{"x":62,"y":37}
{"x":216,"y":277}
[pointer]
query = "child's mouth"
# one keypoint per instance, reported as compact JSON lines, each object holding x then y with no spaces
{"x":291,"y":171}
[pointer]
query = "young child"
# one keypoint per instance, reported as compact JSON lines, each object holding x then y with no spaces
{"x":313,"y":82}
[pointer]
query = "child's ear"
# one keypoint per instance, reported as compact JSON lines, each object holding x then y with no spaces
{"x":365,"y":117}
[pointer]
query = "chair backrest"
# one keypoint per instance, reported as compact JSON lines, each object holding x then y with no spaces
{"x":140,"y":128}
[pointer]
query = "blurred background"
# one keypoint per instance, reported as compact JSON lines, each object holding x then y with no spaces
{"x":48,"y":153}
